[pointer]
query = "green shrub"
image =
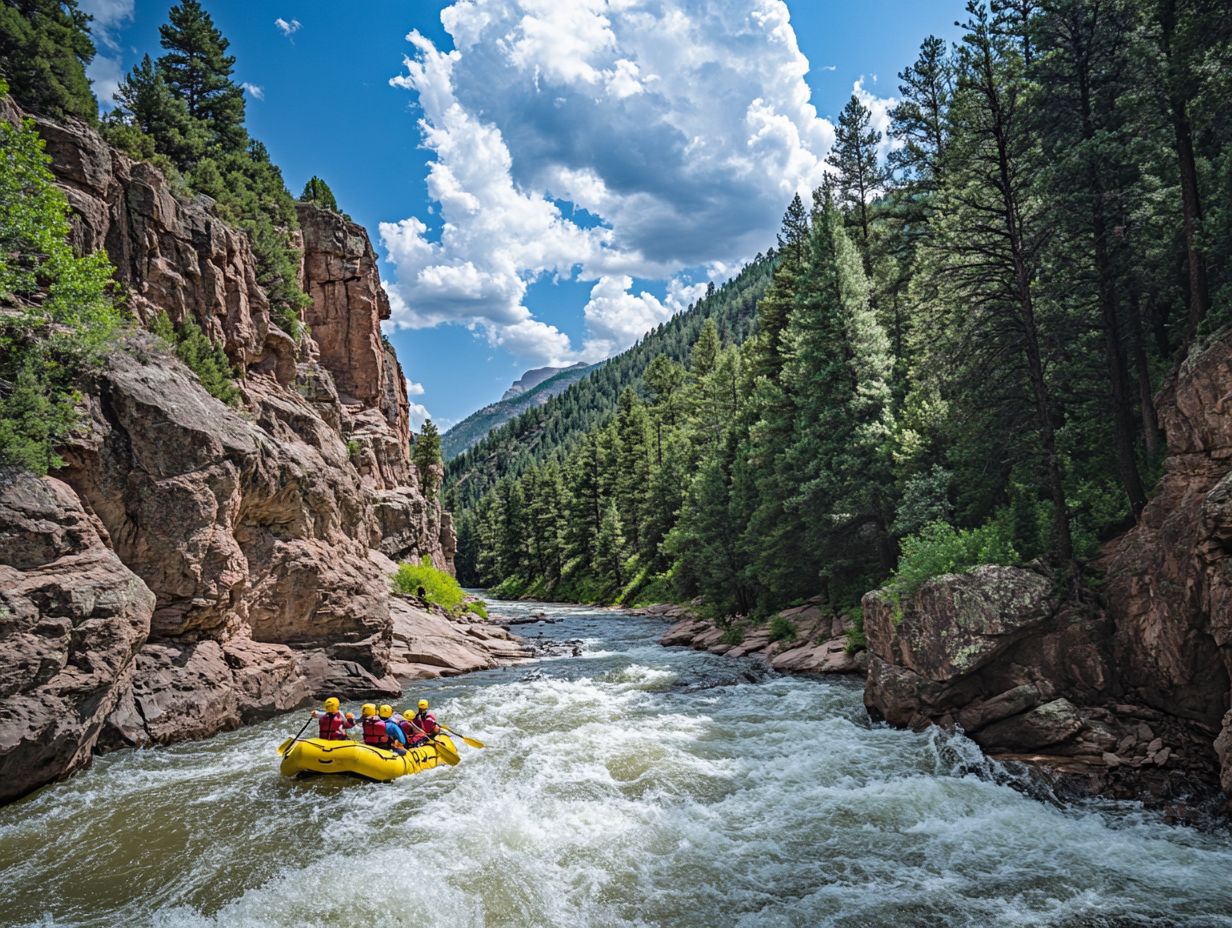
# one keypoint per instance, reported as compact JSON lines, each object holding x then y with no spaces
{"x":733,"y":635}
{"x":782,"y":629}
{"x":60,"y":313}
{"x":353,"y":449}
{"x":204,"y":358}
{"x":476,"y":607}
{"x":855,"y":632}
{"x":438,"y":587}
{"x":939,"y":548}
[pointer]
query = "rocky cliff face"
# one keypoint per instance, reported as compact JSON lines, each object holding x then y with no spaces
{"x":1129,"y":696}
{"x":194,"y":566}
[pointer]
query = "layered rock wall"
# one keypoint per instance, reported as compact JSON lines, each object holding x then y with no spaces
{"x":194,"y":566}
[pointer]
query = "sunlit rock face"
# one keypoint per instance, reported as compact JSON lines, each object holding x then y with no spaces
{"x":194,"y":566}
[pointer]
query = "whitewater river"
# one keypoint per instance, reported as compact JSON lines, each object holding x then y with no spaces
{"x":631,"y":786}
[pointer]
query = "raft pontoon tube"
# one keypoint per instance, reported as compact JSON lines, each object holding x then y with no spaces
{"x":315,"y":755}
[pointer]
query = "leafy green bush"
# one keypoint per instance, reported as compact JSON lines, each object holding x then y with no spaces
{"x":733,"y":635}
{"x":438,"y":587}
{"x":207,"y":360}
{"x":782,"y":629}
{"x":476,"y":607}
{"x":939,"y":548}
{"x":353,"y":449}
{"x":59,"y":311}
{"x":855,"y":633}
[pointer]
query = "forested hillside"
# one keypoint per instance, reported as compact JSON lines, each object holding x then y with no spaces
{"x":549,"y":431}
{"x":474,"y":427}
{"x":954,"y":361}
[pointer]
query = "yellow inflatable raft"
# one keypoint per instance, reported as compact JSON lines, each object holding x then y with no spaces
{"x":314,"y":755}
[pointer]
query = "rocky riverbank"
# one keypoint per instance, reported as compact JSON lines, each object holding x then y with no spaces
{"x":810,"y":639}
{"x":194,"y":566}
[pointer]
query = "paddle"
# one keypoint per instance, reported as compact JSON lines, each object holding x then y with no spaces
{"x":446,"y":753}
{"x":470,"y":741}
{"x":286,"y":746}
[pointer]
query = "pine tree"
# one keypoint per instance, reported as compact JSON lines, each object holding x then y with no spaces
{"x":860,"y":177}
{"x":45,"y":46}
{"x":147,"y":103}
{"x":610,"y":551}
{"x":317,"y":191}
{"x":426,"y":456}
{"x":918,"y":121}
{"x":836,"y":377}
{"x":992,"y":244}
{"x":198,"y":70}
{"x":632,"y":466}
{"x":774,"y":307}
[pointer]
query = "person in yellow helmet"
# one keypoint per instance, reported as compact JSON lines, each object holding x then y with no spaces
{"x":333,"y":725}
{"x":393,"y":731}
{"x":424,"y":724}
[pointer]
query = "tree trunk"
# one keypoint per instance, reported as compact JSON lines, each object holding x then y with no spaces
{"x":1191,"y":200}
{"x":1122,"y":413}
{"x":1012,"y":217}
{"x":1151,"y":436}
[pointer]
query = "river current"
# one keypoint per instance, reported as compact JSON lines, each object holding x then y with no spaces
{"x":631,"y":786}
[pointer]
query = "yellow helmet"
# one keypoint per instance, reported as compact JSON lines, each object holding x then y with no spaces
{"x":386,"y":711}
{"x":331,"y":704}
{"x":367,"y":710}
{"x":423,"y":703}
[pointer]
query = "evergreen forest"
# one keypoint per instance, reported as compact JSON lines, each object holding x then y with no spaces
{"x":947,"y":358}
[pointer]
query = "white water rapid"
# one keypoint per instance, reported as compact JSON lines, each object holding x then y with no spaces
{"x":631,"y":786}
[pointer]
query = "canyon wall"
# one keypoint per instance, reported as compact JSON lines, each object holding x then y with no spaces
{"x":193,"y":565}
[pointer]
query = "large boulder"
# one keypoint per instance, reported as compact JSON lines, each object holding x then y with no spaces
{"x":72,"y":619}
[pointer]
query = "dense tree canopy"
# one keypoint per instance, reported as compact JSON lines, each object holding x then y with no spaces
{"x":961,"y":342}
{"x":45,"y":46}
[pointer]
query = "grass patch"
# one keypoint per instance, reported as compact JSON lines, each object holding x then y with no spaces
{"x":438,"y":587}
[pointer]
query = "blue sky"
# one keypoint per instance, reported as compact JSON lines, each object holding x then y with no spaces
{"x":597,"y":163}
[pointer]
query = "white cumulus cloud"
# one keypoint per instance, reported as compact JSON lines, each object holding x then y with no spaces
{"x":106,"y":70}
{"x":254,"y":91}
{"x":287,"y":28}
{"x":418,"y":411}
{"x":601,"y":141}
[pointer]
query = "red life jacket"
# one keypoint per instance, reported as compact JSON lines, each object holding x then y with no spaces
{"x":375,"y":732}
{"x":333,"y":726}
{"x":426,"y":721}
{"x":408,"y":729}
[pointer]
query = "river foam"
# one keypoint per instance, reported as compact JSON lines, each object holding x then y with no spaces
{"x":633,"y":786}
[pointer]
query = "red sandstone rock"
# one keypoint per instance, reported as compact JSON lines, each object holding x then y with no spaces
{"x":72,"y":618}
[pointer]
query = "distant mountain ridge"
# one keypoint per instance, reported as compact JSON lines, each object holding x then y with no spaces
{"x":548,"y":430}
{"x":533,"y":389}
{"x":532,"y":379}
